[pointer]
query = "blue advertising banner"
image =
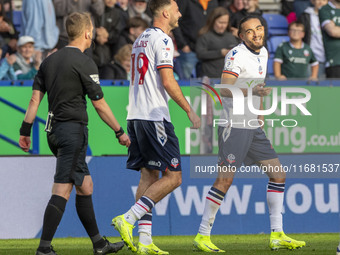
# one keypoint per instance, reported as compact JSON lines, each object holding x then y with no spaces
{"x":311,"y":204}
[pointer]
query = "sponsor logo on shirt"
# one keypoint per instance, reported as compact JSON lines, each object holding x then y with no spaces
{"x":297,"y":60}
{"x":165,"y":41}
{"x":154,"y":163}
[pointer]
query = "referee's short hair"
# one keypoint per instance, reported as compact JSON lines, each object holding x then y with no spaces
{"x":76,"y":23}
{"x":156,"y":5}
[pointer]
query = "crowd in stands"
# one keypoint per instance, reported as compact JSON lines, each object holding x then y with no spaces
{"x":207,"y":30}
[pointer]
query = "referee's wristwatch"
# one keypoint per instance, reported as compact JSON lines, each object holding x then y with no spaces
{"x":119,"y":133}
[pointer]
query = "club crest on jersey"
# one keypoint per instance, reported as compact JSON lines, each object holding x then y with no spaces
{"x":174,"y":162}
{"x":260,"y":70}
{"x":165,"y":41}
{"x":306,"y":53}
{"x":231,"y":158}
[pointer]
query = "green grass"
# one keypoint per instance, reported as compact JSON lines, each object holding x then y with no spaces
{"x":317,"y":244}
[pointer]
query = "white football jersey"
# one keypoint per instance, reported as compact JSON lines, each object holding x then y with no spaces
{"x":148,"y":100}
{"x":250,"y":69}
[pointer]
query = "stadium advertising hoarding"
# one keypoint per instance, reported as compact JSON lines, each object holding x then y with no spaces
{"x":311,"y":204}
{"x":315,"y":133}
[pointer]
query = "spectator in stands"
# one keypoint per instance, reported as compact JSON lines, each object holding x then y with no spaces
{"x":6,"y":68}
{"x":102,"y":52}
{"x":110,"y":23}
{"x":119,"y":68}
{"x":37,"y":23}
{"x":135,"y":27}
{"x":7,"y":30}
{"x":27,"y":60}
{"x":292,"y":58}
{"x":194,"y":15}
{"x":251,"y":7}
{"x":214,"y":42}
{"x":330,"y":24}
{"x":10,"y":47}
{"x":313,"y":33}
{"x":235,"y":6}
{"x":65,"y":7}
{"x":300,"y":6}
{"x":122,"y":5}
{"x":138,"y":8}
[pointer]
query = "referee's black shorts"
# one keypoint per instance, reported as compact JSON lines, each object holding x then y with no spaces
{"x":68,"y":142}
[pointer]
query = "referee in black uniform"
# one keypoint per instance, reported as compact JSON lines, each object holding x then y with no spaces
{"x":67,"y":76}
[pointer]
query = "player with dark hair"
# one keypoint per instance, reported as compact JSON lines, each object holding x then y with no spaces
{"x":154,"y":146}
{"x":68,"y":76}
{"x":245,"y":67}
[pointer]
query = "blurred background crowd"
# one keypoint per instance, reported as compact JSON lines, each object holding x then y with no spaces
{"x":31,"y":30}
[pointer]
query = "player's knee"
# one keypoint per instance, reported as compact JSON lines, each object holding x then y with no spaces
{"x":176,"y":180}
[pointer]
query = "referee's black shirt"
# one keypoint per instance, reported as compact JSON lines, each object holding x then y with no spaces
{"x":67,"y":76}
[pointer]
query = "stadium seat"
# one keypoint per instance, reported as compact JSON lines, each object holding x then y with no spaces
{"x":17,"y":20}
{"x":275,"y":41}
{"x":277,"y":24}
{"x":270,"y":69}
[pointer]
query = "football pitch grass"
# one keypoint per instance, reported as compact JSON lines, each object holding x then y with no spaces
{"x":316,"y":244}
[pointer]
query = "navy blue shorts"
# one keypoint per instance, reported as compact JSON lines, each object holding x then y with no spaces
{"x":154,"y":145}
{"x":68,"y":142}
{"x":248,"y":146}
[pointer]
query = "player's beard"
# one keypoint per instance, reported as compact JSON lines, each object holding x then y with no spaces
{"x":257,"y":46}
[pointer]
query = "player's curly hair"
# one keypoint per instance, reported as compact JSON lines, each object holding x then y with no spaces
{"x":156,"y":5}
{"x":76,"y":23}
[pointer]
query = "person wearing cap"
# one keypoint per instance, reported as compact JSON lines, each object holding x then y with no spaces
{"x":28,"y":61}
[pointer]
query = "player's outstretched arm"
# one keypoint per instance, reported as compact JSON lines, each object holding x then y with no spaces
{"x":105,"y":113}
{"x":31,"y":113}
{"x":175,"y":92}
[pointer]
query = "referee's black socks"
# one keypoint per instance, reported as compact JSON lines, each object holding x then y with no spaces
{"x":87,"y":217}
{"x":53,"y":214}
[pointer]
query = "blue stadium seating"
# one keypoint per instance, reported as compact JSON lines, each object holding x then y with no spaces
{"x":270,"y":69}
{"x":277,"y":24}
{"x":17,"y":20}
{"x":275,"y":41}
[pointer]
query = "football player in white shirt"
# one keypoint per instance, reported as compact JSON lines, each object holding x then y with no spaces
{"x":245,"y":67}
{"x":154,"y":146}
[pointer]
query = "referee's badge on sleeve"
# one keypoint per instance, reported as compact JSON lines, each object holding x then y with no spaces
{"x":95,"y":78}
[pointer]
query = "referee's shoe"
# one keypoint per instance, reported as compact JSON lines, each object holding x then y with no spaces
{"x":51,"y":252}
{"x":108,"y":248}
